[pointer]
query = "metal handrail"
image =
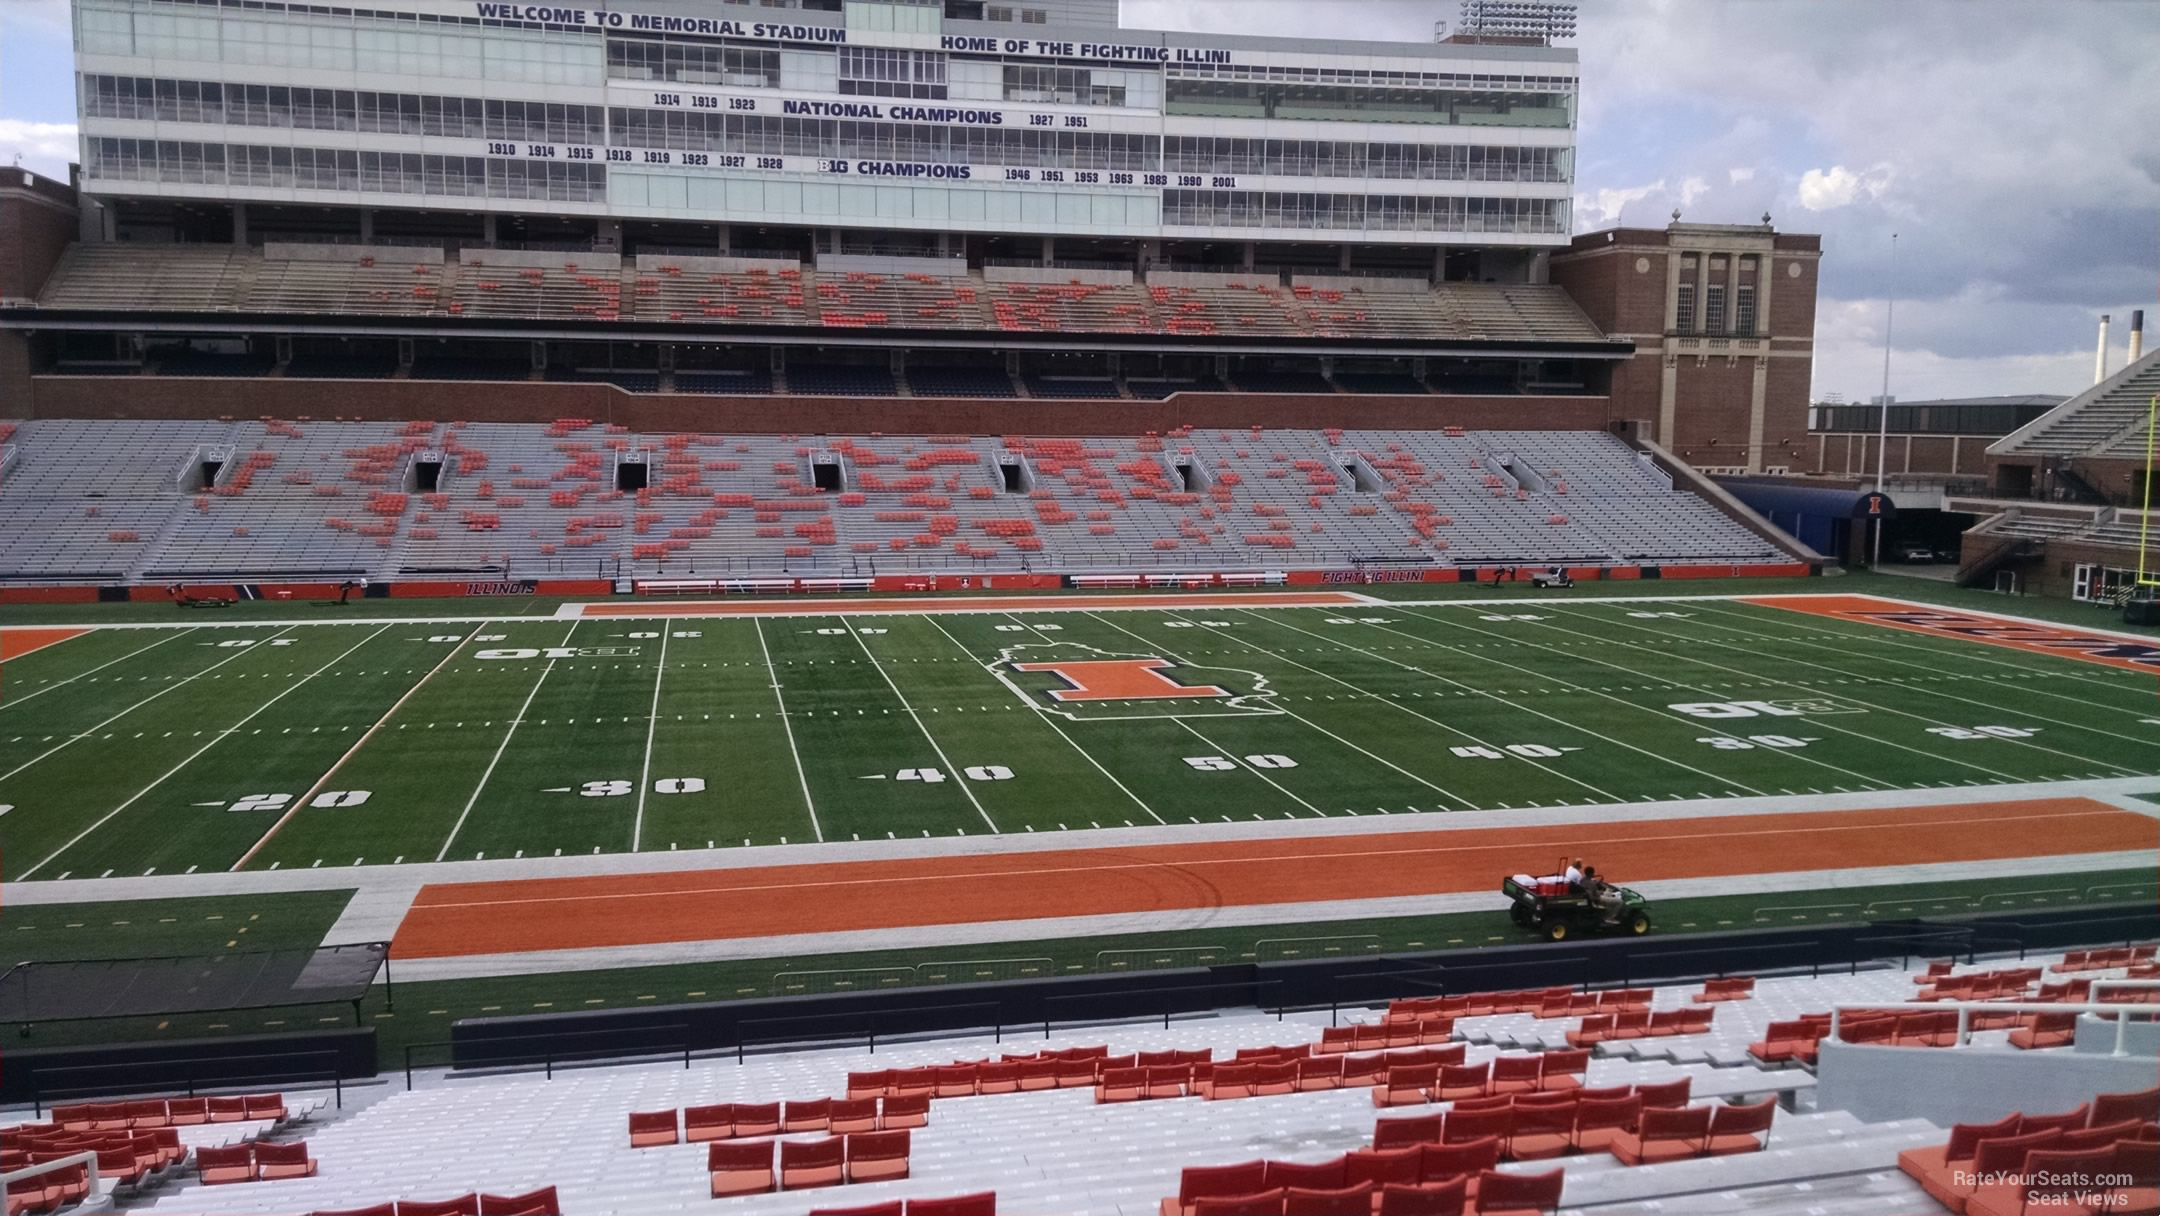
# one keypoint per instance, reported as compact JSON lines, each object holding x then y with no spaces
{"x":1166,"y":991}
{"x":868,"y":1020}
{"x":39,"y":1093}
{"x":1965,"y":1010}
{"x":548,"y":1057}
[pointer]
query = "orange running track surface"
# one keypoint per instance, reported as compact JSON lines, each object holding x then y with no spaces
{"x":17,"y":642}
{"x":983,"y":603}
{"x":639,"y":909}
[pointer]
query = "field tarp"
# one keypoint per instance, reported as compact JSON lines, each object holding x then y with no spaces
{"x":188,"y":983}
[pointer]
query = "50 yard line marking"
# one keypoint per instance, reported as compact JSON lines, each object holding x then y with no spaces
{"x":652,"y":727}
{"x":500,"y":748}
{"x":7,"y":705}
{"x":220,"y":737}
{"x":960,"y":777}
{"x":182,"y":682}
{"x":809,"y":804}
{"x":1049,"y":721}
{"x":350,"y":752}
{"x":1300,"y":718}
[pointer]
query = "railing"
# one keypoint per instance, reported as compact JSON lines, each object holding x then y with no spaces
{"x":1169,"y":994}
{"x":192,"y":1083}
{"x":1965,"y":1010}
{"x":866,"y":1026}
{"x":551,"y":1056}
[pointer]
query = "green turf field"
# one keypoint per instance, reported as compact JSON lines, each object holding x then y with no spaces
{"x":223,"y":742}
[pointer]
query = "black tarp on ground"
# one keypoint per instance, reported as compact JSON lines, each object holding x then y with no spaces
{"x":188,"y":983}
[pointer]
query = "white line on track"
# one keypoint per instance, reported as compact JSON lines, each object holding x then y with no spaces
{"x":32,"y":696}
{"x":1843,"y":696}
{"x":481,"y":785}
{"x":652,"y":728}
{"x":1051,"y":722}
{"x":958,"y":776}
{"x":182,"y":682}
{"x":197,"y":753}
{"x":787,"y":725}
{"x":352,"y":751}
{"x":1297,"y":717}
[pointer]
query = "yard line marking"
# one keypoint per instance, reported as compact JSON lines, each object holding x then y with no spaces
{"x":1467,"y":804}
{"x":1624,"y":833}
{"x":780,"y":698}
{"x":182,"y":681}
{"x":1491,"y":696}
{"x":1248,"y":768}
{"x":1052,"y":722}
{"x":1902,"y":713}
{"x":139,"y":794}
{"x":1953,"y":649}
{"x":652,"y":727}
{"x":1862,"y":778}
{"x":359,"y":743}
{"x":7,"y":705}
{"x":887,"y":676}
{"x":500,"y":748}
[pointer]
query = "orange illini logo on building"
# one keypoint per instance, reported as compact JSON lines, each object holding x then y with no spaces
{"x":1119,"y":680}
{"x":1082,"y":683}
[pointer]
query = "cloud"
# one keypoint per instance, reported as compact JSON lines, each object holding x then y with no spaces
{"x":1605,"y":207}
{"x":1841,"y":187}
{"x":43,"y":147}
{"x":1691,"y":189}
{"x":1744,"y":173}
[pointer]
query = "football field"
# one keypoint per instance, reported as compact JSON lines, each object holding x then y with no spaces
{"x":207,"y":745}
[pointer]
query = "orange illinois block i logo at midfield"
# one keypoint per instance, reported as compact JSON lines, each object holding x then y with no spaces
{"x":1118,"y":680}
{"x":1083,"y":683}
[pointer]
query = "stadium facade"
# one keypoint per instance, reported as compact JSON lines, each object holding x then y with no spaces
{"x":863,"y":218}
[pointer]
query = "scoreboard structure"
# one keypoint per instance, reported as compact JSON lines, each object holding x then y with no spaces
{"x":1037,"y":117}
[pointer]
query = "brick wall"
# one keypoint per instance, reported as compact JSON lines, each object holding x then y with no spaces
{"x":15,"y":380}
{"x":396,"y":400}
{"x":35,"y":227}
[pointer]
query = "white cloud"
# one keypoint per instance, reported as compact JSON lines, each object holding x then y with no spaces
{"x":43,"y":147}
{"x":1691,"y":189}
{"x":1841,"y":187}
{"x":1745,"y":173}
{"x":1603,"y":208}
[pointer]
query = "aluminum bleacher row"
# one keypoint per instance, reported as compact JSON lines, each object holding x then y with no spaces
{"x":1220,"y":1120}
{"x":103,"y":499}
{"x":349,"y":280}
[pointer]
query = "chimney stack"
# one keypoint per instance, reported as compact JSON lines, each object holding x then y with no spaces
{"x":2100,"y":355}
{"x":2137,"y":334}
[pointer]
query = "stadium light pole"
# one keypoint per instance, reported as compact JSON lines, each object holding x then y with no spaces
{"x":1882,"y":425}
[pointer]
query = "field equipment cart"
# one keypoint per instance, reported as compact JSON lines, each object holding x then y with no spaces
{"x":1558,"y":910}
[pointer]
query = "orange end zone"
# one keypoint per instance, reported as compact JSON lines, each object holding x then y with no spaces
{"x":17,"y":642}
{"x":2126,"y":653}
{"x":515,"y":916}
{"x":992,"y":603}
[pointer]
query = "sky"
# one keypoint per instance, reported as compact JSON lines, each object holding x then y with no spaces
{"x":2011,"y":146}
